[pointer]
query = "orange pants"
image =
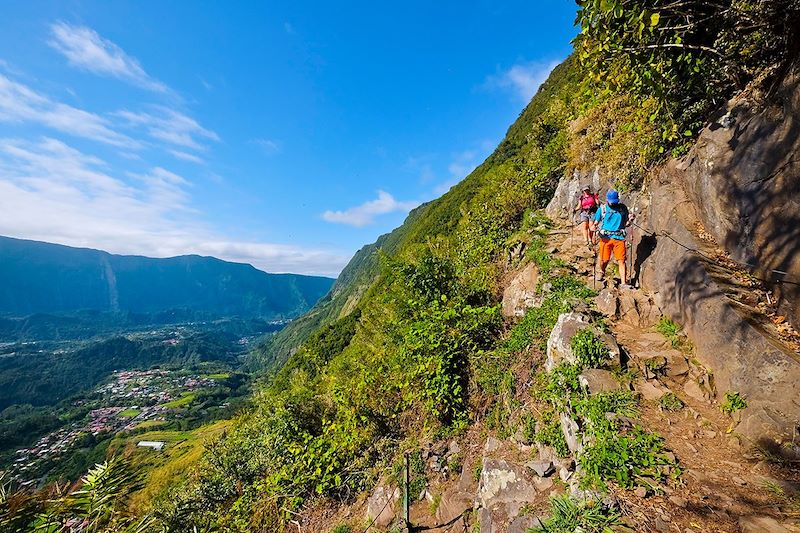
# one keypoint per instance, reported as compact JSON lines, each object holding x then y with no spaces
{"x":612,"y":245}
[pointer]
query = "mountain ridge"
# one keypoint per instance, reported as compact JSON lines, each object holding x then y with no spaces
{"x":54,"y":278}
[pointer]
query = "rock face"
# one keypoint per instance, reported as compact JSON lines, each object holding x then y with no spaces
{"x":503,"y":490}
{"x":568,"y":191}
{"x":382,"y":505}
{"x":521,"y":292}
{"x":742,"y":177}
{"x":742,"y":357}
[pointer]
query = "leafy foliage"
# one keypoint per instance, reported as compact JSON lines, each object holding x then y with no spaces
{"x":733,"y":402}
{"x":684,"y":58}
{"x":95,"y":506}
{"x":588,"y":349}
{"x":568,"y":515}
{"x":670,"y":402}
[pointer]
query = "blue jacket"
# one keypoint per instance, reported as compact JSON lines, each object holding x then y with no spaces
{"x":612,"y":220}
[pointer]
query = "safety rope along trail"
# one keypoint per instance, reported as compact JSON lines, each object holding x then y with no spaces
{"x":745,"y":266}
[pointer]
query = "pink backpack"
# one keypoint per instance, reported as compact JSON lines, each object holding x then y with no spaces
{"x":588,"y":201}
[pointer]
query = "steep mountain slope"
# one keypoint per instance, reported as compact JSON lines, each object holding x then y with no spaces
{"x":410,"y":361}
{"x":516,"y":153}
{"x":49,"y":278}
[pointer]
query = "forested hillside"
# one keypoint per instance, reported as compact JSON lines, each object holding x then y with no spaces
{"x":48,"y":278}
{"x":410,"y":349}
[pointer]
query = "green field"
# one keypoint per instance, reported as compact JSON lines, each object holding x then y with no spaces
{"x":218,"y":375}
{"x":129,"y":413}
{"x":185,"y":399}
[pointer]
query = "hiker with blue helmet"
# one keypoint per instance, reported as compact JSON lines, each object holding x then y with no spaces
{"x":610,"y":222}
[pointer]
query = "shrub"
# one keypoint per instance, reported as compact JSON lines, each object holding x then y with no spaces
{"x":670,"y":402}
{"x":733,"y":402}
{"x":568,"y":516}
{"x":549,"y":433}
{"x":670,"y":330}
{"x":624,"y":458}
{"x":590,"y":351}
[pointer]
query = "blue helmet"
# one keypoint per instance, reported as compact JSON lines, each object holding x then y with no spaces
{"x":612,"y":197}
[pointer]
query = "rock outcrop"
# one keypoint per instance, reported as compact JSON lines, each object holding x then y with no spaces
{"x":742,"y":177}
{"x":503,"y":491}
{"x":743,"y":357}
{"x":520,"y":294}
{"x":382,"y":505}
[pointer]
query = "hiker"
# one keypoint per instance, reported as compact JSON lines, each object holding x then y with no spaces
{"x":587,"y":205}
{"x":610,"y":222}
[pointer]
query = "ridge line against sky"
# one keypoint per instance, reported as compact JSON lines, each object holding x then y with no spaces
{"x":105,"y":143}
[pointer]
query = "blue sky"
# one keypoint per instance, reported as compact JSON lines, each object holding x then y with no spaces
{"x":286,"y":135}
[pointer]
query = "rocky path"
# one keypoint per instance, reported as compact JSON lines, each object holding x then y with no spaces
{"x":728,"y":484}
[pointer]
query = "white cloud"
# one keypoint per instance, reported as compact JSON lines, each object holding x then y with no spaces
{"x":365,"y":214}
{"x":51,"y":192}
{"x":19,"y":103}
{"x":186,"y":156}
{"x":269,"y":146}
{"x":523,"y":79}
{"x":169,"y":126}
{"x":85,"y":49}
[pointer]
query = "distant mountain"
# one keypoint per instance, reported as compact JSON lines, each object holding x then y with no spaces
{"x":39,"y":277}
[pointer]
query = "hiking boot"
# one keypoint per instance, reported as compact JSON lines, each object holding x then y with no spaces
{"x":599,"y":277}
{"x":625,"y":286}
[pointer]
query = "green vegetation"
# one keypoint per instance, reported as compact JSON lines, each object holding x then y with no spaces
{"x":97,"y":505}
{"x":535,"y":326}
{"x":588,"y":349}
{"x":568,"y":515}
{"x":549,"y":433}
{"x":670,"y":402}
{"x":733,"y":402}
{"x":46,"y":379}
{"x":671,"y":331}
{"x":681,"y":60}
{"x":129,"y":413}
{"x":186,"y":399}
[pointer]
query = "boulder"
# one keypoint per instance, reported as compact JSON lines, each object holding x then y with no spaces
{"x":492,"y":445}
{"x":520,"y":294}
{"x":637,"y":308}
{"x":453,"y":504}
{"x":607,"y":302}
{"x":382,"y":505}
{"x":522,"y":524}
{"x":542,"y":468}
{"x":677,"y":365}
{"x":597,"y":380}
{"x":558,"y":344}
{"x":503,"y":490}
{"x":649,"y":390}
